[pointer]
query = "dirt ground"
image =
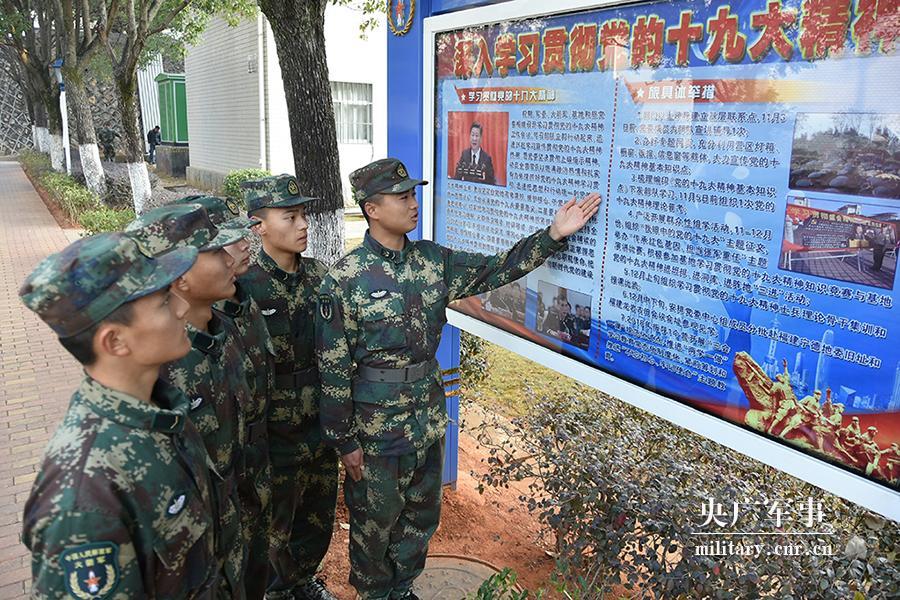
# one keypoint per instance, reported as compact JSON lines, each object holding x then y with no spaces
{"x":493,"y":527}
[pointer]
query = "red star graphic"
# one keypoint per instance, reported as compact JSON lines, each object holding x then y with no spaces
{"x":93,"y":580}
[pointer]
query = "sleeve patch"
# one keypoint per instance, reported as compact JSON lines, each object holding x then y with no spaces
{"x":326,"y":307}
{"x":91,"y":570}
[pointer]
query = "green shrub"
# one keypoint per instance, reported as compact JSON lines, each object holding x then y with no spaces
{"x":73,"y":198}
{"x":623,"y":493}
{"x":105,"y":219}
{"x":35,"y":163}
{"x":232,"y":186}
{"x":473,"y":359}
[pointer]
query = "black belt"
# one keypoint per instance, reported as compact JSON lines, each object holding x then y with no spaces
{"x":297,"y":379}
{"x":408,"y":374}
{"x":256,"y":431}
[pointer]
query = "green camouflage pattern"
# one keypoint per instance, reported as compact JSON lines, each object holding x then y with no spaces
{"x":132,"y":479}
{"x":394,"y":510}
{"x":90,"y":278}
{"x":224,"y":213}
{"x":212,"y":377}
{"x":384,"y":308}
{"x":178,"y":226}
{"x":385,"y":176}
{"x":304,"y":473}
{"x":304,"y":492}
{"x":279,"y":191}
{"x":255,"y":477}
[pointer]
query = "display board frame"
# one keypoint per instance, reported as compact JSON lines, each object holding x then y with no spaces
{"x":806,"y":467}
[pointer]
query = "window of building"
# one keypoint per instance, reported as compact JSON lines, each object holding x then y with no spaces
{"x":352,"y":112}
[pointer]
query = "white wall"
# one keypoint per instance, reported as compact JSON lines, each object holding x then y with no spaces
{"x":222,"y":77}
{"x":224,"y":104}
{"x":148,"y":92}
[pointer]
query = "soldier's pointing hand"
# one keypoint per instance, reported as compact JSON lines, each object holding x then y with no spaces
{"x":573,"y":215}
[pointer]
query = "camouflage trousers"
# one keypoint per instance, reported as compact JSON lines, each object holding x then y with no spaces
{"x":255,"y":490}
{"x":304,"y":493}
{"x":230,"y":547}
{"x":394,"y":511}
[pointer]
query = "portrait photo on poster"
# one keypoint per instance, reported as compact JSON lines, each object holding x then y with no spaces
{"x":477,"y":146}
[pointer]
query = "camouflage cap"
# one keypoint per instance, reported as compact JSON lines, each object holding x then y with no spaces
{"x":81,"y":285}
{"x":224,"y":213}
{"x":281,"y":191}
{"x":385,"y":176}
{"x":177,"y":225}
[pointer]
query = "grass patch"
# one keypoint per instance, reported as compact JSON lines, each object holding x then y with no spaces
{"x":509,"y":376}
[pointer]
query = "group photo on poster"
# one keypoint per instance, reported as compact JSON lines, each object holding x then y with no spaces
{"x":744,"y":259}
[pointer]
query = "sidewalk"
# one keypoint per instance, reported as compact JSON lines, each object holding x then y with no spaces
{"x":36,"y":375}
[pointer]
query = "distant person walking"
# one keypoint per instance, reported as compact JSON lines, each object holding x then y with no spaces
{"x":154,"y":139}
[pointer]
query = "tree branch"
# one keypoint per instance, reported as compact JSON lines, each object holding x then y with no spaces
{"x":168,"y":20}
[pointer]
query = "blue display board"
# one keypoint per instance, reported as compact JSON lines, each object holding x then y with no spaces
{"x":743,"y":266}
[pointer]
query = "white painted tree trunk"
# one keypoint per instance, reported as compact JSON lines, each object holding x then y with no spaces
{"x":35,"y":138}
{"x":56,"y":153}
{"x":326,"y":236}
{"x":140,"y":185}
{"x":94,"y":177}
{"x":43,"y":140}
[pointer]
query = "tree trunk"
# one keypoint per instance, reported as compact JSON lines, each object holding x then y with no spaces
{"x":54,"y":128}
{"x":41,"y":133}
{"x":298,"y":27}
{"x":126,"y":85}
{"x":88,"y":150}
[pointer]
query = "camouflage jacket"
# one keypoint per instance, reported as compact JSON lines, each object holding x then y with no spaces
{"x":257,"y":353}
{"x":122,"y":506}
{"x":212,"y":377}
{"x":288,"y":303}
{"x":382,"y":308}
{"x":256,"y":350}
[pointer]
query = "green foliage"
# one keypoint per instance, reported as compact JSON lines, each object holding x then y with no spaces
{"x":35,"y":163}
{"x":502,"y":586}
{"x":232,"y":185}
{"x":623,"y":494}
{"x":186,"y":27}
{"x":373,"y":12}
{"x":105,"y":219}
{"x":473,"y":359}
{"x":73,"y":198}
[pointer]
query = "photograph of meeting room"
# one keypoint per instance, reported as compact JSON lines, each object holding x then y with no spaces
{"x":563,"y":314}
{"x":507,"y":301}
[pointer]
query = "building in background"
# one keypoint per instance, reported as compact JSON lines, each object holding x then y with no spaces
{"x":237,"y":109}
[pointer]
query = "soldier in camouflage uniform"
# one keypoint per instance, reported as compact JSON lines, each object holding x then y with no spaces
{"x":378,"y":325}
{"x":212,"y":373}
{"x":255,"y":345}
{"x":304,"y":471}
{"x":123,"y":505}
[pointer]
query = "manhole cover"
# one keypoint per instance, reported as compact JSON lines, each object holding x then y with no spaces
{"x":448,"y":577}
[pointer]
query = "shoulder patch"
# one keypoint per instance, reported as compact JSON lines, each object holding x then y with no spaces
{"x":196,"y":402}
{"x":91,"y":570}
{"x":326,"y":307}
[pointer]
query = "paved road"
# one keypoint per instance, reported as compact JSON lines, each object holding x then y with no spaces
{"x":36,"y":375}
